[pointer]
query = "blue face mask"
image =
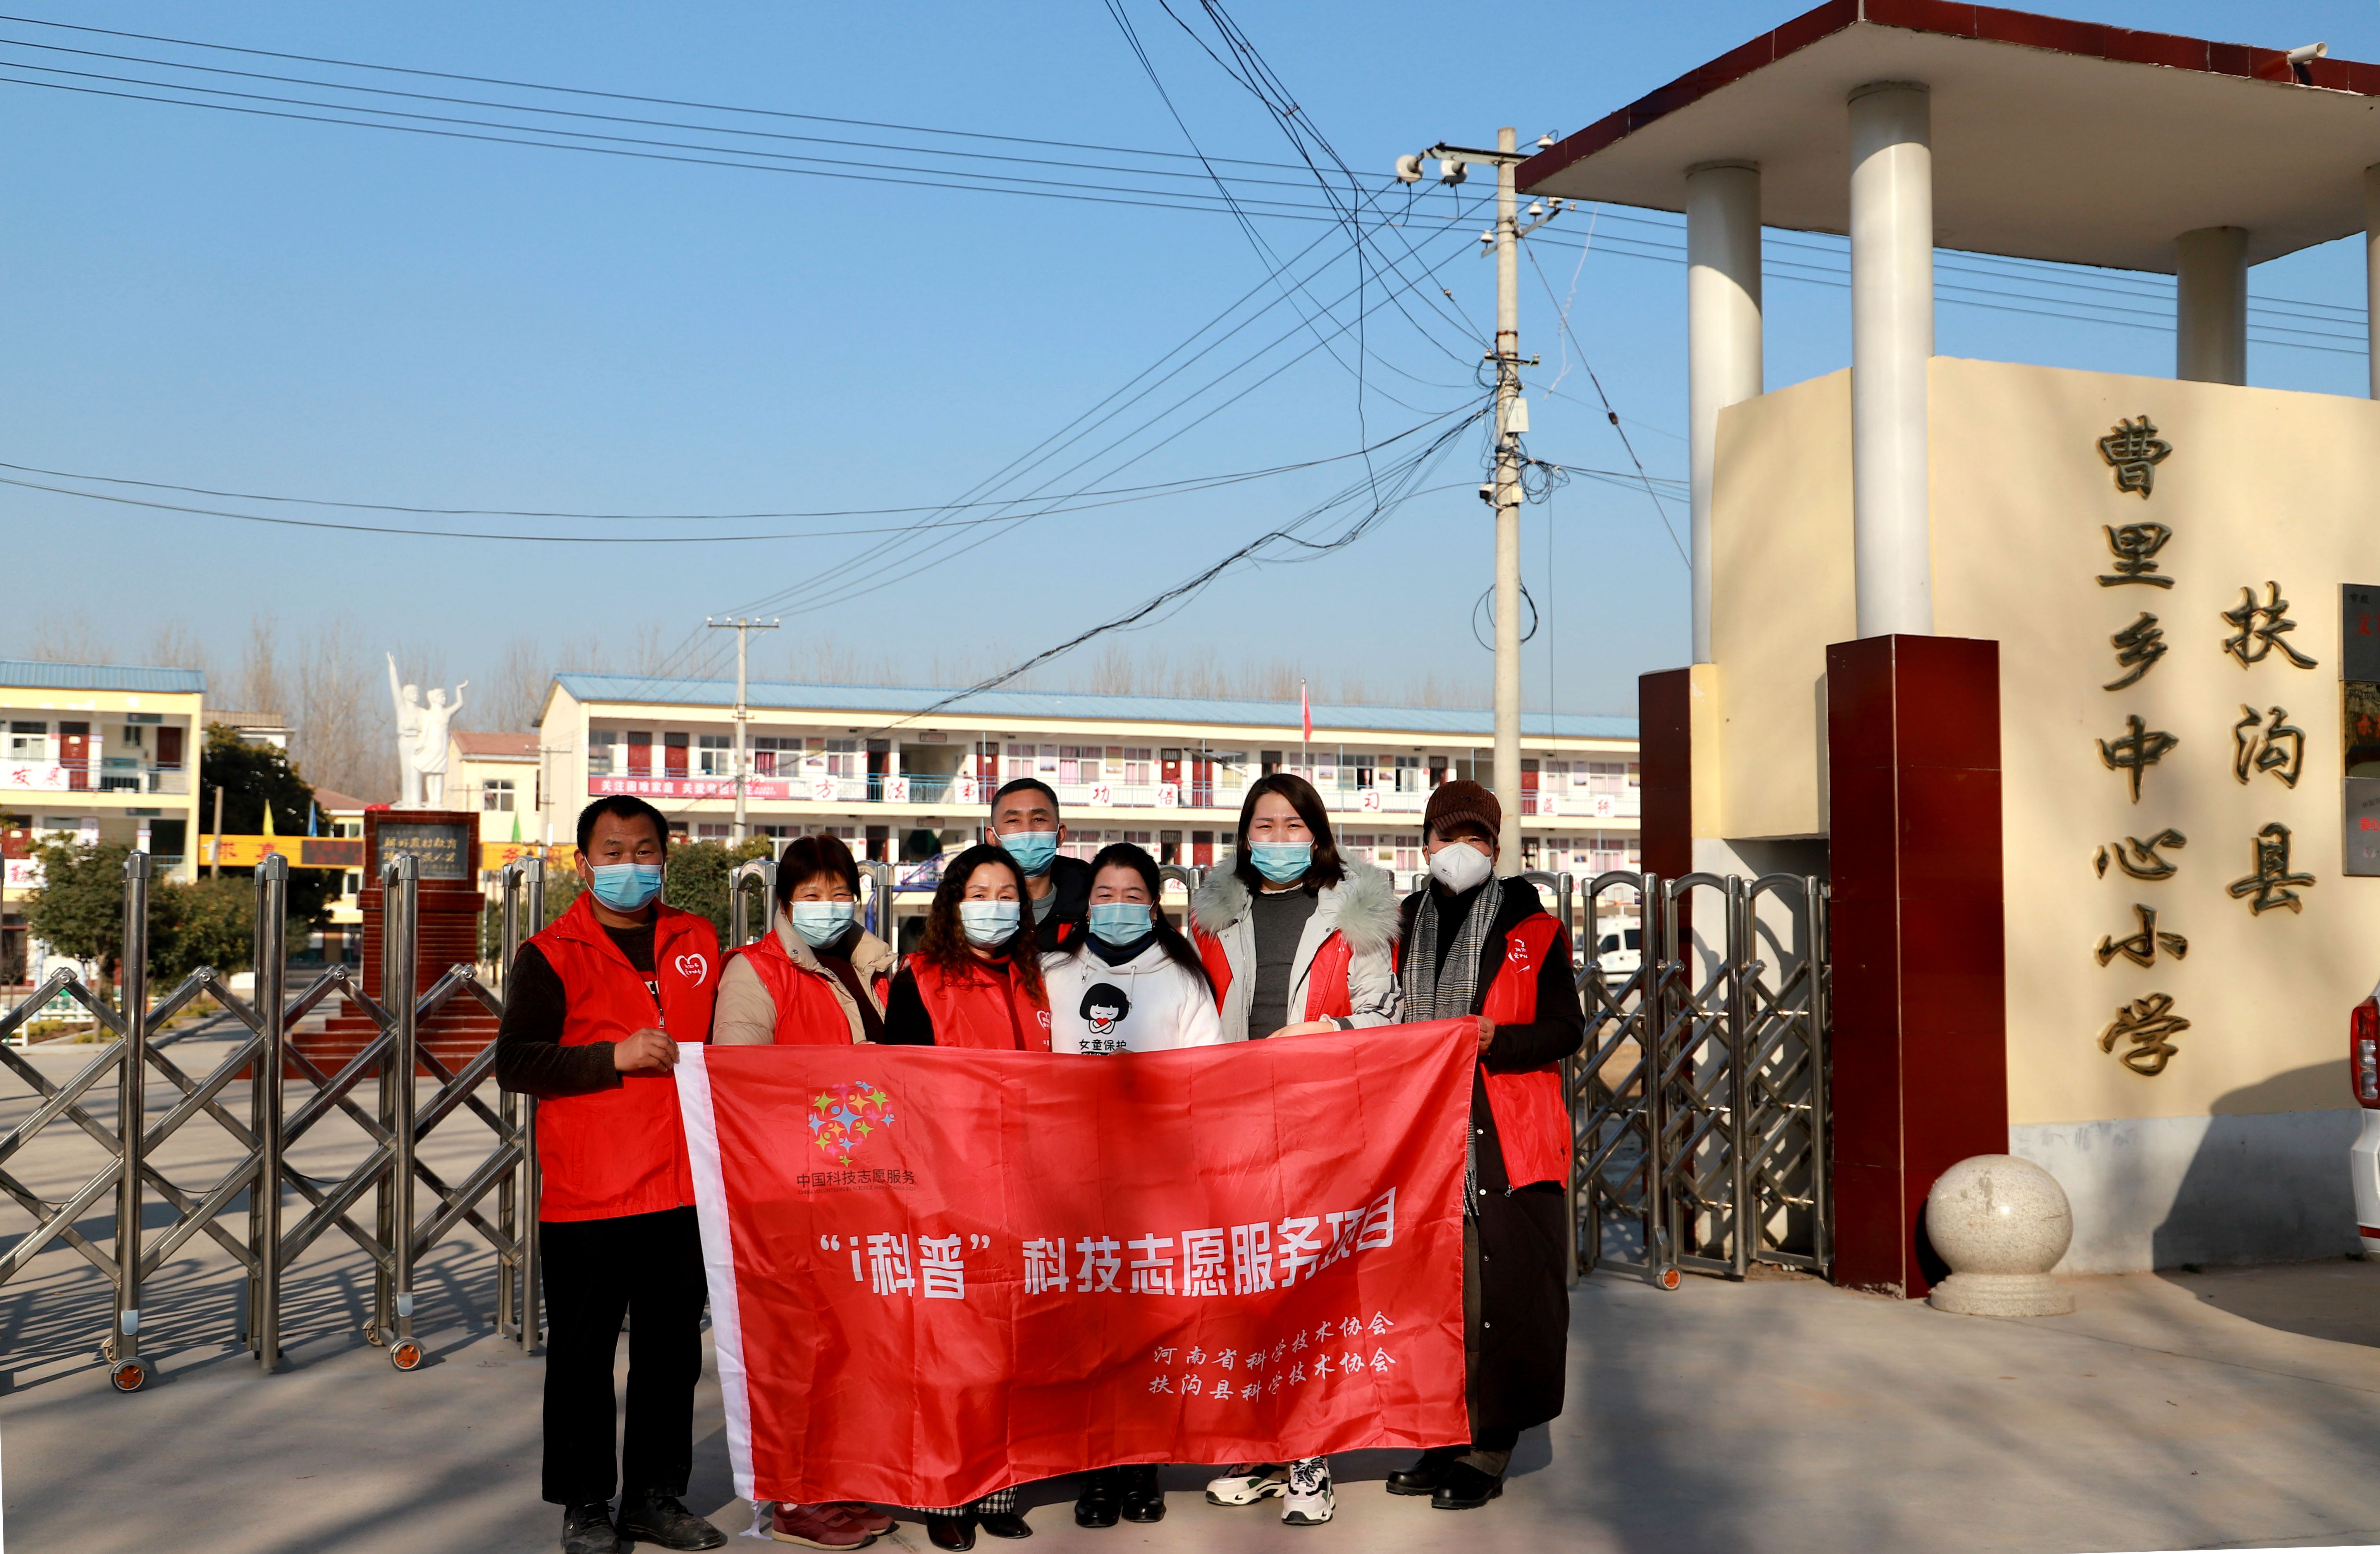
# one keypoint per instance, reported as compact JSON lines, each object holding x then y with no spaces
{"x":1283,"y":863}
{"x":988,"y":923}
{"x":820,"y":922}
{"x":1031,"y":849}
{"x":627,"y":887}
{"x":1119,"y":922}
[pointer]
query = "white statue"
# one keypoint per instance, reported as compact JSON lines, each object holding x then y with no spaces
{"x":422,"y":732}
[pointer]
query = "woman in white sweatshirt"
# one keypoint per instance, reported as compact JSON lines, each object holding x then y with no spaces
{"x":1132,"y":984}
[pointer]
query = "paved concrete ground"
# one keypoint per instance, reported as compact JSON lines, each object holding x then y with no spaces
{"x":2218,"y":1410}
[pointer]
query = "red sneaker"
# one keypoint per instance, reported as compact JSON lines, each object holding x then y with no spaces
{"x":864,"y":1517}
{"x":816,"y":1527}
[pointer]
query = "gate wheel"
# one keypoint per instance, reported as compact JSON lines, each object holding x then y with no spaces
{"x":129,"y":1376}
{"x":405,"y":1355}
{"x":107,"y":1349}
{"x":373,"y":1335}
{"x":1669,"y":1278}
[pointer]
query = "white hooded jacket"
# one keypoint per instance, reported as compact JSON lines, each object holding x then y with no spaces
{"x":1150,"y":1003}
{"x":1362,"y":906}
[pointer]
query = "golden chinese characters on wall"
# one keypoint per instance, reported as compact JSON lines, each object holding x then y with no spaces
{"x":2263,"y":743}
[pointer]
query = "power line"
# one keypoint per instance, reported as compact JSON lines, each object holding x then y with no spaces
{"x":1402,"y":490}
{"x":618,"y":96}
{"x":795,"y":598}
{"x":1119,"y":494}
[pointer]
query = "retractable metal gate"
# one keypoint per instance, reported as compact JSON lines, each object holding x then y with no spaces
{"x":287,"y":1096}
{"x":1700,"y":1098}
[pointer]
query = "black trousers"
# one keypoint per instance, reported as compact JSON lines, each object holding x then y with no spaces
{"x":598,"y":1272}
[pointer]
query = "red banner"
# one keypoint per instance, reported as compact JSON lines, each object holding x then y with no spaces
{"x":937,"y":1272}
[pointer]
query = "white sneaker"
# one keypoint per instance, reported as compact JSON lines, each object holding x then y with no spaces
{"x":1309,"y":1500}
{"x":1247,"y":1484}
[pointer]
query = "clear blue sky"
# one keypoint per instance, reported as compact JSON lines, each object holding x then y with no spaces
{"x":267,"y":305}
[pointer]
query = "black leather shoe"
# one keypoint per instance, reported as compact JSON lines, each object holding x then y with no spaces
{"x":1004,"y":1524}
{"x":1143,"y":1501}
{"x":1427,"y":1474}
{"x":951,"y":1532}
{"x":1464,"y":1488}
{"x":1102,"y":1498}
{"x":587,"y":1529}
{"x":665,"y":1520}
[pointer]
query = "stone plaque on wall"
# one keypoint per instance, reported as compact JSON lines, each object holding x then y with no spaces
{"x":439,"y":848}
{"x":2359,"y":631}
{"x":2361,"y":840}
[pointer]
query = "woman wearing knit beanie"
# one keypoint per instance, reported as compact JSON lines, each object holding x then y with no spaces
{"x":1474,"y":946}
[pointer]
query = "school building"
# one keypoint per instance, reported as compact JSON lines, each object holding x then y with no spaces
{"x":886,"y":770}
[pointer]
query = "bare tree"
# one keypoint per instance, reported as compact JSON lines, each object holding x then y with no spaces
{"x":518,"y":693}
{"x":172,"y":645}
{"x":69,"y":639}
{"x":344,"y":732}
{"x":259,"y":687}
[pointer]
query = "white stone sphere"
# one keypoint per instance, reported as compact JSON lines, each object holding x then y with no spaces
{"x":1997,"y":1214}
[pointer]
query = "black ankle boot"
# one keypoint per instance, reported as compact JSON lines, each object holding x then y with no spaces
{"x":587,"y":1529}
{"x":1143,"y":1501}
{"x":1427,"y":1474}
{"x":1102,"y":1498}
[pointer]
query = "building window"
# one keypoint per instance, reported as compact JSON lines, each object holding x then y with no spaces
{"x":711,"y":830}
{"x":715,"y":754}
{"x":599,"y":751}
{"x":1131,"y":765}
{"x":836,"y":758}
{"x":354,"y":884}
{"x":1270,"y":760}
{"x":28,"y":741}
{"x":496,"y":796}
{"x":1073,"y":761}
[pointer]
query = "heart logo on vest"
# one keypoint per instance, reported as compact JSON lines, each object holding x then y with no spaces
{"x":845,"y":1118}
{"x":694,"y":968}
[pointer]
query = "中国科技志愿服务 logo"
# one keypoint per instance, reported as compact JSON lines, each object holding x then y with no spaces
{"x":843,"y":1119}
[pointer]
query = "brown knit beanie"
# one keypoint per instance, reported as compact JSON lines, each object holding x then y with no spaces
{"x":1460,"y":800}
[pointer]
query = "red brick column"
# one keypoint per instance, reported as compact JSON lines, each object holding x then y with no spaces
{"x":1919,"y":1049}
{"x":1665,"y":760}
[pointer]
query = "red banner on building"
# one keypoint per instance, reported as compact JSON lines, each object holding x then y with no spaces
{"x":936,"y":1272}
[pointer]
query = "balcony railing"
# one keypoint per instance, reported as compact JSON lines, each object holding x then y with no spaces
{"x":1210,"y":800}
{"x":108,"y":774}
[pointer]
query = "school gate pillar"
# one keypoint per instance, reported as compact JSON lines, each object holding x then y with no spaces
{"x":1919,"y":1048}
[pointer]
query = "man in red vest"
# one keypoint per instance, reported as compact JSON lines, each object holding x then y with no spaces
{"x":594,"y":1009}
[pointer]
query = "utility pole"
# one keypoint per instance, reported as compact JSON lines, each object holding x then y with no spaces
{"x":1512,"y":420}
{"x":743,"y":628}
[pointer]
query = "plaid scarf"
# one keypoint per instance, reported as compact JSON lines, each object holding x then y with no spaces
{"x":1448,"y":993}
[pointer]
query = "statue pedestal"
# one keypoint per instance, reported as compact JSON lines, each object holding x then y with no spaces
{"x":446,"y":843}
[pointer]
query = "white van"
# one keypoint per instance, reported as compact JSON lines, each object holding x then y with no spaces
{"x":1621,"y":953}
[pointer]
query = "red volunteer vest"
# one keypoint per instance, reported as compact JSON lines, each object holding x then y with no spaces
{"x":981,"y":1007}
{"x":1532,"y":1119}
{"x":807,"y":1012}
{"x":615,"y":1152}
{"x":1326,"y":979}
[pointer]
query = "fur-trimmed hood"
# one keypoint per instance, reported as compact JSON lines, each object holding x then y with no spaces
{"x":1362,"y":905}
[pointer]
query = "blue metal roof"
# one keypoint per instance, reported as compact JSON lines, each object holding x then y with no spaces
{"x":32,"y":676}
{"x":905,"y":700}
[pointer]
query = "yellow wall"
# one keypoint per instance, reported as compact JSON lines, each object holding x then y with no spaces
{"x":1780,"y":591}
{"x":2260,"y":485}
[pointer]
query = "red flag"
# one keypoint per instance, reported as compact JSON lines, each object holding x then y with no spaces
{"x":936,"y":1272}
{"x":1304,"y":713}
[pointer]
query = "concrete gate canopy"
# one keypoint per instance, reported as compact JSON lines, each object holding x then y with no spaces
{"x":2052,"y":139}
